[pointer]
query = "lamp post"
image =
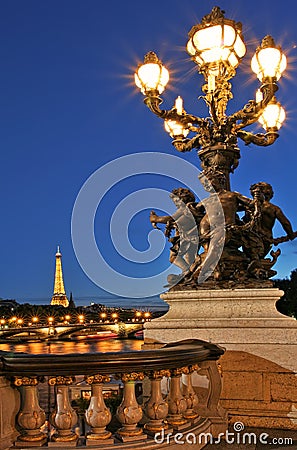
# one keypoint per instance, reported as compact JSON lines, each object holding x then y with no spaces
{"x":234,"y":248}
{"x":67,"y":319}
{"x":81,"y":318}
{"x":103,"y":316}
{"x":217,"y":46}
{"x":51,"y":326}
{"x":114,"y":316}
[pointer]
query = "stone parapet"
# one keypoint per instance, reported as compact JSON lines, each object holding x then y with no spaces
{"x":133,"y":423}
{"x":9,"y":406}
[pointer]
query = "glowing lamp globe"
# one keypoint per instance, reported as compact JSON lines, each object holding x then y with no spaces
{"x":175,"y":129}
{"x":216,"y":40}
{"x":273,"y":116}
{"x":268,"y":61}
{"x":151,"y":77}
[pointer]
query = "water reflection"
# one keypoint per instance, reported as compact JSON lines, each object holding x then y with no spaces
{"x":83,"y":346}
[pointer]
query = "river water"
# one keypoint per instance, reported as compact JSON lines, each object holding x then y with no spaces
{"x":80,"y":346}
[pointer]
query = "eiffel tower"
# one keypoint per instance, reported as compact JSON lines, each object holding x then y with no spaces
{"x":59,"y":297}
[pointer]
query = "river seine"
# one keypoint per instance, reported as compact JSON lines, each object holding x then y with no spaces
{"x":46,"y":392}
{"x":80,"y":346}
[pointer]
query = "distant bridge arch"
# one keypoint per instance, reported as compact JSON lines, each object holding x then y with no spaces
{"x":122,"y":329}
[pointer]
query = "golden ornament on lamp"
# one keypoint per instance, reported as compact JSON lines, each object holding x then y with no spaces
{"x":216,"y":45}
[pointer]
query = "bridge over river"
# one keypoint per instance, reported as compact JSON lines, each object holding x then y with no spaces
{"x":56,"y":332}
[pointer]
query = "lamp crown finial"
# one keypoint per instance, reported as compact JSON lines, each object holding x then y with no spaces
{"x":216,"y":14}
{"x":151,"y":57}
{"x":267,"y":42}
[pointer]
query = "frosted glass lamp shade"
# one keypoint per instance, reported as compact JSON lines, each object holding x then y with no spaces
{"x":268,"y":61}
{"x":151,"y":77}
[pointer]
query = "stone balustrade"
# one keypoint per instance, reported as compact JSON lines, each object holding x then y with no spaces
{"x":188,"y":405}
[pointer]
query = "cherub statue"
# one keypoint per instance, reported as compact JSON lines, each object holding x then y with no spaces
{"x":211,"y":241}
{"x":219,"y":230}
{"x":258,"y":231}
{"x":231,"y":203}
{"x":269,"y":213}
{"x":185,"y":222}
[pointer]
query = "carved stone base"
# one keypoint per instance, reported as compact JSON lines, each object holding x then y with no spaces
{"x":178,"y":423}
{"x":62,"y":444}
{"x":99,"y":436}
{"x":63,"y":439}
{"x":139,"y":437}
{"x":237,"y":319}
{"x":96,"y":442}
{"x":165,"y":430}
{"x":155,"y":426}
{"x":191,"y":415}
{"x":24,"y":444}
{"x":66,"y":438}
{"x":195,"y":420}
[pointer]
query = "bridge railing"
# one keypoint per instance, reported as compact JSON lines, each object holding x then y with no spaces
{"x":135,"y":425}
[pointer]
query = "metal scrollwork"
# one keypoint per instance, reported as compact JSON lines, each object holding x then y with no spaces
{"x":92,"y":379}
{"x":60,"y":380}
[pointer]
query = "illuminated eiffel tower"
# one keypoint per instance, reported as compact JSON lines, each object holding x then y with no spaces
{"x":59,"y":297}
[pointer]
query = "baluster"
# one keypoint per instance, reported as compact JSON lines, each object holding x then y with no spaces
{"x":176,"y":402}
{"x":129,"y":413}
{"x":98,"y":416}
{"x":156,"y":408}
{"x":189,"y":393}
{"x":31,"y":416}
{"x":63,"y":418}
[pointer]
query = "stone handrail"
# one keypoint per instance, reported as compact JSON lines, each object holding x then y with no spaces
{"x":168,"y":356}
{"x":20,"y":375}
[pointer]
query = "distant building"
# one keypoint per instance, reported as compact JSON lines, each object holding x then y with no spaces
{"x":8,"y":304}
{"x":71,"y":301}
{"x":59,"y":297}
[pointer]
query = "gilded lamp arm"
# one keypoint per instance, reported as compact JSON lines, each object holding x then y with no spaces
{"x":259,"y":138}
{"x":153,"y":103}
{"x":251,"y":112}
{"x":186,"y":145}
{"x":179,"y":123}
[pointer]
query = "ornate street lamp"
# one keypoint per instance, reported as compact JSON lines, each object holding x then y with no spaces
{"x":234,"y":246}
{"x":217,"y":46}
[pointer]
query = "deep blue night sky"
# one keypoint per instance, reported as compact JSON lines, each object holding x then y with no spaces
{"x":68,"y":105}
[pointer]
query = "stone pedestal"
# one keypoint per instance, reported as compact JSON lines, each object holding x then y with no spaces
{"x":260,"y":364}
